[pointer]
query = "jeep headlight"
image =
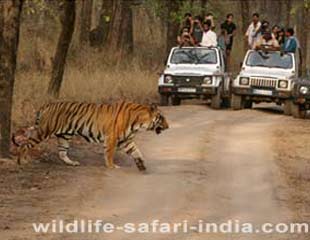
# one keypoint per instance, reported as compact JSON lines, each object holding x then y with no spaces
{"x":207,"y":80}
{"x":168,"y":79}
{"x":303,"y":90}
{"x":244,"y":81}
{"x":283,"y":84}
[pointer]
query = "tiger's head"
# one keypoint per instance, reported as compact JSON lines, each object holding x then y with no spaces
{"x":158,"y":121}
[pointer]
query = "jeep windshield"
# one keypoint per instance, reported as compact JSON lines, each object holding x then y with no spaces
{"x":193,"y":56}
{"x":269,"y":59}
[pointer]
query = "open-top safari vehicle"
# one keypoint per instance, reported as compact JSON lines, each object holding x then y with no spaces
{"x":195,"y":72}
{"x":265,"y":76}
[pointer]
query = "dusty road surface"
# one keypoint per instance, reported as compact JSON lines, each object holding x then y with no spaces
{"x":210,"y":166}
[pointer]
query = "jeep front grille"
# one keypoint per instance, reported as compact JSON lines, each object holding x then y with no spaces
{"x":263,"y":82}
{"x":187,"y":80}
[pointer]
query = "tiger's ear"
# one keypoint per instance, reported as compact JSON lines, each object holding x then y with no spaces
{"x":153,"y":107}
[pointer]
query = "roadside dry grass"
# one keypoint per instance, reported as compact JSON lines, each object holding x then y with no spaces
{"x":293,"y":157}
{"x":94,"y":80}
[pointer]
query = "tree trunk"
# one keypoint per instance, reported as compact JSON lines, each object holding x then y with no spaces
{"x":10,"y":11}
{"x":288,"y":4}
{"x":304,"y":37}
{"x":203,"y":5}
{"x":120,"y":39}
{"x":245,"y":10}
{"x":85,"y":22}
{"x":105,"y":19}
{"x":172,"y":24}
{"x":59,"y":61}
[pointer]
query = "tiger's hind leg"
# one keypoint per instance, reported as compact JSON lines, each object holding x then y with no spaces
{"x":131,"y":149}
{"x":63,"y":146}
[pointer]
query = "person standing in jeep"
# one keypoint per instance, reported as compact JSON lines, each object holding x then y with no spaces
{"x":197,"y":29}
{"x":253,"y":30}
{"x":230,"y":28}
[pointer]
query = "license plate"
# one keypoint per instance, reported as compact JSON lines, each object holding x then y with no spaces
{"x":187,"y":90}
{"x":262,"y":92}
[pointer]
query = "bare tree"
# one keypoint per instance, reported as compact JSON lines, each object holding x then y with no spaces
{"x":172,"y":24}
{"x":288,"y":4}
{"x":85,"y":20}
{"x":120,"y":40}
{"x":245,"y":16}
{"x":203,"y":5}
{"x":10,"y":11}
{"x":99,"y":34}
{"x":305,"y":33}
{"x":67,"y":21}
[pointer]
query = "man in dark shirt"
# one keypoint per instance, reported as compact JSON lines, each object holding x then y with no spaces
{"x":197,"y":29}
{"x":230,"y":28}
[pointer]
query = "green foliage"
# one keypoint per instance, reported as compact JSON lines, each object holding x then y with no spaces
{"x":156,"y":7}
{"x":299,"y":6}
{"x":38,"y":7}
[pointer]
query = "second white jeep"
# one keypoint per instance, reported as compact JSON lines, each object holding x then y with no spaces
{"x":265,"y":76}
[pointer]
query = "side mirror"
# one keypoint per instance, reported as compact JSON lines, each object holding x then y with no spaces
{"x":241,"y":63}
{"x":165,"y":62}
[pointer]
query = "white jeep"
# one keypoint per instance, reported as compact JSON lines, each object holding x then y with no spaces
{"x":265,"y":76}
{"x":195,"y":72}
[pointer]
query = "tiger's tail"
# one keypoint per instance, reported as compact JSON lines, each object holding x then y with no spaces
{"x":25,"y":140}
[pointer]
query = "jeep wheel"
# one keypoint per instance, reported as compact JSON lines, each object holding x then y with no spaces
{"x":164,"y":100}
{"x":226,"y":103}
{"x":175,"y":100}
{"x":287,"y":107}
{"x":237,"y":102}
{"x":297,"y":111}
{"x":216,"y":100}
{"x":248,"y":104}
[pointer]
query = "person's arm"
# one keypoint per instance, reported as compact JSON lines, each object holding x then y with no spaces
{"x":247,"y":33}
{"x":275,"y":45}
{"x":191,"y":28}
{"x":200,"y":25}
{"x":258,"y":29}
{"x":179,"y":40}
{"x":234,"y":31}
{"x":191,"y":40}
{"x":258,"y":44}
{"x":214,"y":40}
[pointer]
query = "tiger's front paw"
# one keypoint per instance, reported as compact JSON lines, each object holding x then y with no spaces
{"x":113,"y":166}
{"x":72,"y":163}
{"x":142,"y":168}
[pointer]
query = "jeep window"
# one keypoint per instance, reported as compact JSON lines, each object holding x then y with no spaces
{"x":194,"y":56}
{"x":270,"y":59}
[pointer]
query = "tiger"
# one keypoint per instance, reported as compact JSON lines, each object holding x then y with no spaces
{"x":114,"y":125}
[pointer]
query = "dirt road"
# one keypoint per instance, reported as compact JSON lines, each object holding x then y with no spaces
{"x":210,"y":165}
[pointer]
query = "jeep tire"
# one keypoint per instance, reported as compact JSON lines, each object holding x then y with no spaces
{"x":216,"y":100}
{"x":175,"y":100}
{"x":226,"y":103}
{"x":164,"y":100}
{"x":237,"y":102}
{"x":297,"y":111}
{"x":287,"y":107}
{"x":248,"y":104}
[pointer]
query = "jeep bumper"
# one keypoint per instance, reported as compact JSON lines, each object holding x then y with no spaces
{"x":257,"y":93}
{"x":187,"y":90}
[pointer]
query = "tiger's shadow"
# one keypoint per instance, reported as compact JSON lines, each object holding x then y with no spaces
{"x":88,"y":154}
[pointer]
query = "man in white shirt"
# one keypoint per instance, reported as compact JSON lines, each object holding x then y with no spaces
{"x":252,"y":32}
{"x":209,"y":38}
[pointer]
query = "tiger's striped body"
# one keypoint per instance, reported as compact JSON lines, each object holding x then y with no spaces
{"x":114,"y":125}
